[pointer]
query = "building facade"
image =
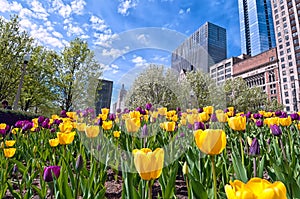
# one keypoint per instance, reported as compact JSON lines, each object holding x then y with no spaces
{"x":287,"y":21}
{"x":120,"y":104}
{"x":205,"y":47}
{"x":261,"y":71}
{"x":221,"y":71}
{"x":256,"y":26}
{"x":104,"y":94}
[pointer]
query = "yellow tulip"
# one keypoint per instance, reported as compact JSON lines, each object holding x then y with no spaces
{"x":92,"y":131}
{"x":117,"y":134}
{"x":107,"y":125}
{"x":105,"y":111}
{"x":230,"y":109}
{"x":271,"y":121}
{"x":9,"y":152}
{"x":162,"y":111}
{"x":237,"y":123}
{"x":2,"y":126}
{"x":10,"y":143}
{"x":135,"y":114}
{"x":102,"y":116}
{"x":192,"y":118}
{"x":222,"y":117}
{"x":169,"y":126}
{"x":81,"y":126}
{"x":285,"y":121}
{"x":66,"y":126}
{"x":65,"y":138}
{"x":267,"y":114}
{"x":72,"y":115}
{"x":149,"y":164}
{"x":185,"y":169}
{"x":183,"y":122}
{"x":208,"y":109}
{"x":203,"y":117}
{"x":210,"y":141}
{"x":15,"y":130}
{"x":132,"y":125}
{"x":54,"y":142}
{"x":255,"y":188}
{"x":154,"y":114}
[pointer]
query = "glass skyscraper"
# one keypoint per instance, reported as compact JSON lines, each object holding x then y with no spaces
{"x":256,"y":26}
{"x":205,"y":47}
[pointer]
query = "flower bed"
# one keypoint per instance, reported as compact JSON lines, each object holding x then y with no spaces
{"x":152,"y":152}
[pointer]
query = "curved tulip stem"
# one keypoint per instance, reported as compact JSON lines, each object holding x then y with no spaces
{"x":242,"y":149}
{"x":214,"y":175}
{"x":283,"y":150}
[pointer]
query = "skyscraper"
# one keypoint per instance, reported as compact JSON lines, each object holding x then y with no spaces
{"x":286,"y":21}
{"x":205,"y":47}
{"x":256,"y":26}
{"x":103,"y":95}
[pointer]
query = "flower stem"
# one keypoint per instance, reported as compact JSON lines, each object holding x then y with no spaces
{"x":254,"y":167}
{"x":282,"y":148}
{"x":187,"y":186}
{"x":242,"y":149}
{"x":150,"y":189}
{"x":214,"y":175}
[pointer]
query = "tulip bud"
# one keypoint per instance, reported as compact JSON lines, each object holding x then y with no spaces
{"x":295,"y":116}
{"x":185,"y":169}
{"x":278,"y":113}
{"x":148,"y":106}
{"x":259,"y":123}
{"x":48,"y":173}
{"x":199,"y":125}
{"x":249,"y":140}
{"x":144,"y":131}
{"x":2,"y":145}
{"x":254,"y":148}
{"x":15,"y":169}
{"x":79,"y":163}
{"x":34,"y":149}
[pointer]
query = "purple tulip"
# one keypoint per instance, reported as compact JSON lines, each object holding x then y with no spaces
{"x":41,"y":119}
{"x":278,"y":113}
{"x":7,"y":127}
{"x":63,"y":113}
{"x":148,"y":106}
{"x":178,"y":109}
{"x":46,"y":124}
{"x":190,"y":126}
{"x":119,"y":110}
{"x":100,"y":122}
{"x":275,"y":130}
{"x":2,"y":131}
{"x":257,"y":116}
{"x":19,"y":124}
{"x":213,"y":118}
{"x":48,"y":173}
{"x":27,"y":126}
{"x":284,"y":115}
{"x":112,"y":116}
{"x":200,"y":110}
{"x":199,"y":125}
{"x":126,"y":110}
{"x":269,"y":141}
{"x":144,"y":131}
{"x":294,"y":116}
{"x":182,"y":134}
{"x":139,"y":109}
{"x":53,"y":130}
{"x":254,"y":148}
{"x":248,"y":114}
{"x":259,"y":123}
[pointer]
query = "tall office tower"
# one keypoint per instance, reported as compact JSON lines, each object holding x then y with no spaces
{"x":103,"y":95}
{"x":256,"y":26}
{"x":205,"y":47}
{"x":287,"y":29}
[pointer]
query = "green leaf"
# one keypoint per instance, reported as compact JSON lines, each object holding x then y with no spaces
{"x":239,"y":169}
{"x":261,"y":167}
{"x":198,"y":190}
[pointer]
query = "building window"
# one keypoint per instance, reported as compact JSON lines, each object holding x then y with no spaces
{"x":285,"y":87}
{"x":292,"y":78}
{"x":286,"y":37}
{"x":287,"y":108}
{"x":284,"y":73}
{"x":287,"y":43}
{"x":290,"y":64}
{"x":282,"y":66}
{"x":291,"y":71}
{"x":281,"y":53}
{"x":289,"y":57}
{"x":280,"y":46}
{"x":284,"y":79}
{"x":288,"y":50}
{"x":228,"y":64}
{"x":279,"y":40}
{"x":287,"y":101}
{"x":282,"y":59}
{"x":286,"y":94}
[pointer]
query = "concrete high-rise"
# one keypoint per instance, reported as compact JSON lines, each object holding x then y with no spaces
{"x":256,"y":26}
{"x":205,"y":47}
{"x":287,"y":29}
{"x":103,"y":95}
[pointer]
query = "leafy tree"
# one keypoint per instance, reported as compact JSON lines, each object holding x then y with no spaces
{"x":156,"y":86}
{"x":37,"y":94}
{"x":77,"y":77}
{"x":242,"y":97}
{"x":14,"y":46}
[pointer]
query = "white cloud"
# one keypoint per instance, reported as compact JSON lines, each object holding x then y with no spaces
{"x":103,"y":39}
{"x":181,"y":11}
{"x":44,"y":37}
{"x":39,"y":10}
{"x":65,"y":11}
{"x":125,"y":5}
{"x":112,"y":52}
{"x":10,"y":7}
{"x":78,"y":6}
{"x":188,"y":10}
{"x":139,"y":61}
{"x":97,"y":23}
{"x":84,"y":36}
{"x":73,"y":30}
{"x":57,"y":34}
{"x":114,"y":66}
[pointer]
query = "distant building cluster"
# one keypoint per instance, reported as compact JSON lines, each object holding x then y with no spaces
{"x":269,"y":31}
{"x":270,"y":59}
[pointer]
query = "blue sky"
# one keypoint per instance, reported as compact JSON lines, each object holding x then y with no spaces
{"x":126,"y":35}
